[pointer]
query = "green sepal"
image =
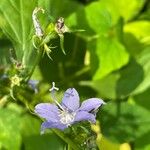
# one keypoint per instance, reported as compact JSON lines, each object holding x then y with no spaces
{"x":47,"y":50}
{"x":62,"y":43}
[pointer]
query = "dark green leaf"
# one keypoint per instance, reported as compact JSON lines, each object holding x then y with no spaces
{"x":32,"y":138}
{"x":124,"y":122}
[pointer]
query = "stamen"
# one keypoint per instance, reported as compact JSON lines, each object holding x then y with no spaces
{"x":53,"y":87}
{"x":66,"y":117}
{"x":52,"y":90}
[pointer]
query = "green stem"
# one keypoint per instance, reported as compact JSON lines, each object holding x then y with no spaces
{"x":70,"y":142}
{"x":69,"y":147}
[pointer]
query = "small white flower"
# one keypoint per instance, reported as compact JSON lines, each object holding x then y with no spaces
{"x":15,"y":81}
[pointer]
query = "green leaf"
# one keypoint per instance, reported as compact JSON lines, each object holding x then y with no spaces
{"x":123,"y":8}
{"x":10,"y":137}
{"x":136,"y":36}
{"x":124,"y":122}
{"x":111,"y":55}
{"x":142,"y":143}
{"x":94,"y":19}
{"x":31,"y":136}
{"x":130,"y":80}
{"x":17,"y":25}
{"x":144,"y":61}
{"x":4,"y":52}
{"x":59,"y":8}
{"x":104,"y":39}
{"x":140,"y":30}
{"x":142,"y":99}
{"x":45,"y":142}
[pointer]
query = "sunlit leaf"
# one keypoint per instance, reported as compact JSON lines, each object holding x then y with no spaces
{"x":104,"y":41}
{"x":132,"y":79}
{"x":144,"y":60}
{"x":123,"y":8}
{"x":139,"y":29}
{"x":111,"y":55}
{"x":17,"y":25}
{"x":94,"y":19}
{"x":10,"y":137}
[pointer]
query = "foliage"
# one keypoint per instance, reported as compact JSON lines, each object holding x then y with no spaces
{"x":109,"y":59}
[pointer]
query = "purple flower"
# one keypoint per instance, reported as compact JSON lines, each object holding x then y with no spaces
{"x":33,"y":84}
{"x":68,"y":112}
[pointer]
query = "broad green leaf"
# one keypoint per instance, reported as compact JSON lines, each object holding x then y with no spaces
{"x":94,"y":19}
{"x":124,"y":122}
{"x":105,"y":87}
{"x":17,"y":25}
{"x":144,"y":61}
{"x":119,"y":84}
{"x":143,"y":142}
{"x":31,"y":136}
{"x":44,"y":142}
{"x":103,"y":37}
{"x":10,"y":137}
{"x":111,"y":55}
{"x":123,"y":8}
{"x":140,"y":30}
{"x":142,"y":99}
{"x":130,"y":80}
{"x":136,"y":36}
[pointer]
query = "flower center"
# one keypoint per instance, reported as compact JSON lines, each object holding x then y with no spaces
{"x":66,"y":117}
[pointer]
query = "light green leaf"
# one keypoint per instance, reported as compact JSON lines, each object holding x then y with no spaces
{"x":144,"y":61}
{"x":104,"y":39}
{"x":111,"y":55}
{"x":123,"y":8}
{"x":131,"y":80}
{"x":17,"y":25}
{"x":140,"y":30}
{"x":94,"y":19}
{"x":10,"y":137}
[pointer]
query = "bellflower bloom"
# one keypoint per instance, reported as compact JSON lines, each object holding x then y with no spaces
{"x":63,"y":115}
{"x":33,"y":84}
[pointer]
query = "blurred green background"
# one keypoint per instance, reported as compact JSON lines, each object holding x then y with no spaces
{"x":110,"y":60}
